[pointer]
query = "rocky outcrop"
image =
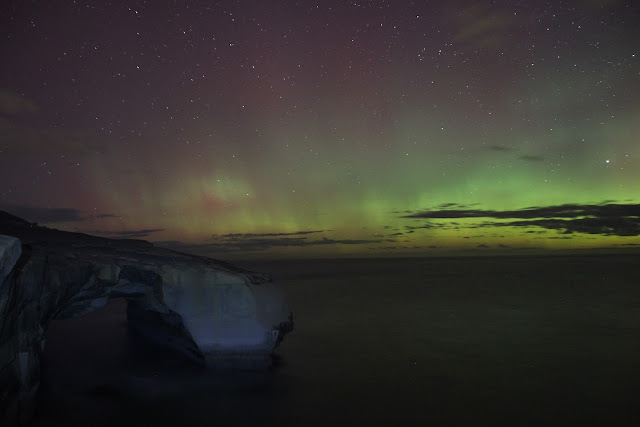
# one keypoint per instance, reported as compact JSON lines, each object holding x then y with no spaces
{"x":10,"y":251}
{"x":211,"y":311}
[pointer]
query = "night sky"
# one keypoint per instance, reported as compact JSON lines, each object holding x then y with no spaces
{"x":325,"y":128}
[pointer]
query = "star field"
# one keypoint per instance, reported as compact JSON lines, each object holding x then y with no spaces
{"x":325,"y":128}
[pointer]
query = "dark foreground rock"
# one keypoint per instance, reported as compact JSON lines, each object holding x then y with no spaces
{"x":214,"y":313}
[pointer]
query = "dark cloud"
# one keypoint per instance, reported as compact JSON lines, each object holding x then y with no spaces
{"x":44,"y":215}
{"x":611,"y":210}
{"x":261,"y":235}
{"x":531,"y":158}
{"x":51,"y":215}
{"x":629,"y":226}
{"x":608,"y":219}
{"x":411,"y":228}
{"x":238,"y":244}
{"x":129,"y":234}
{"x":454,"y":205}
{"x":101,"y":216}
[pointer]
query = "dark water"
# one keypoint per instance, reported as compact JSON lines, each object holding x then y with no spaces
{"x":485,"y":341}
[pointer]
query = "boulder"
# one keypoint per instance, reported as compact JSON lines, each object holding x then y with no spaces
{"x":213,"y":312}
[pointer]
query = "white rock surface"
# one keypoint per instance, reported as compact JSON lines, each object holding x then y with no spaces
{"x":211,"y":311}
{"x":223,"y":311}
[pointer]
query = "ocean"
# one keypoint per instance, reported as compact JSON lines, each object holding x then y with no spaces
{"x":547,"y":340}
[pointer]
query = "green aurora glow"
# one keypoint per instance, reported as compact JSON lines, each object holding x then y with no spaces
{"x":322,"y":146}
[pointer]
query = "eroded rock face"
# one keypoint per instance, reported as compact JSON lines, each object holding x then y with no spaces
{"x":209,"y":310}
{"x":10,"y":251}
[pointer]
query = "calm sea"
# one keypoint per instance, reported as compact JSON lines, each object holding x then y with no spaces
{"x":473,"y":341}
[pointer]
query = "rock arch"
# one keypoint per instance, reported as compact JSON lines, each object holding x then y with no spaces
{"x":209,"y":310}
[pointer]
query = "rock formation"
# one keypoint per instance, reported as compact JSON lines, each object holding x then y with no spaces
{"x":211,"y":311}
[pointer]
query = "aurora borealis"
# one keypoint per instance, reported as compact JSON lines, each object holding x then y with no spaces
{"x":325,"y":128}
